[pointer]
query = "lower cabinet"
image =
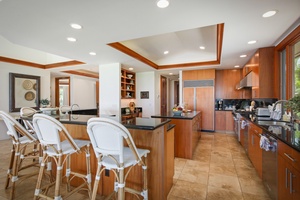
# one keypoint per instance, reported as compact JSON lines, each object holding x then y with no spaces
{"x":254,"y":150}
{"x":288,"y":172}
{"x":224,"y":121}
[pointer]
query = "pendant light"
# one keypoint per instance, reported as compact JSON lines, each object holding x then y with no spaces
{"x":162,"y":3}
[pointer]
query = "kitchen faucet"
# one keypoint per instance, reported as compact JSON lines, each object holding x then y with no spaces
{"x":73,"y":106}
{"x":278,"y":115}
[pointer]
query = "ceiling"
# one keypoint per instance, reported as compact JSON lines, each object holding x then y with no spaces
{"x":36,"y":30}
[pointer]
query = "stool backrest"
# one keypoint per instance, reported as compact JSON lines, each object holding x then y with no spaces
{"x":27,"y":112}
{"x":14,"y":127}
{"x":107,"y":136}
{"x":51,"y":132}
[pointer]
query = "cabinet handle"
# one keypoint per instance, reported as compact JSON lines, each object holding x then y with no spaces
{"x":256,"y":131}
{"x":292,"y":159}
{"x":286,"y":177}
{"x":291,"y":183}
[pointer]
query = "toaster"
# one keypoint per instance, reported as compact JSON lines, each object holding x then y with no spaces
{"x":262,"y":112}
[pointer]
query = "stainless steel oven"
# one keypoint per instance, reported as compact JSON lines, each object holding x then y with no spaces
{"x":237,"y":124}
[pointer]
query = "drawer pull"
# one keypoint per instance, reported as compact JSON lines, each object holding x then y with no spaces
{"x":292,"y":159}
{"x":286,"y":178}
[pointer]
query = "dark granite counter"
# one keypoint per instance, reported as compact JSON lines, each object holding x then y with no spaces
{"x":136,"y":123}
{"x":288,"y":135}
{"x":170,"y":115}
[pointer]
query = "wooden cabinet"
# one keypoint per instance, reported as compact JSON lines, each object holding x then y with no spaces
{"x":226,"y":81}
{"x":127,"y":84}
{"x":254,"y":150}
{"x":262,"y":64}
{"x":288,"y":172}
{"x":200,"y":97}
{"x":224,"y":121}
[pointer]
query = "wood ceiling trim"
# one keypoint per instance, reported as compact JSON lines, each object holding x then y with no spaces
{"x":126,"y":50}
{"x":21,"y":62}
{"x":63,"y":64}
{"x":81,"y":73}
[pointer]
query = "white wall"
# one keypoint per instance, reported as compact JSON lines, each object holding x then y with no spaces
{"x":5,"y":69}
{"x":83,"y":92}
{"x":145,"y":81}
{"x":110,"y":90}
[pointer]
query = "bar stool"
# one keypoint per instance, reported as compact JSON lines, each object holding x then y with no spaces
{"x":58,"y":144}
{"x":107,"y":136}
{"x":21,"y":139}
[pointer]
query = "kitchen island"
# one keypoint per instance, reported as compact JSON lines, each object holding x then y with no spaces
{"x":187,"y":132}
{"x":157,"y":135}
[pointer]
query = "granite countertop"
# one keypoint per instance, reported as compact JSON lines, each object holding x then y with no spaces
{"x":170,"y":115}
{"x":136,"y":123}
{"x":287,"y":134}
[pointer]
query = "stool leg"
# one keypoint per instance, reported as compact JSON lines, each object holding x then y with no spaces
{"x":14,"y":177}
{"x":58,"y":177}
{"x":145,"y":185}
{"x":88,"y":170}
{"x":97,"y":179}
{"x":40,"y":177}
{"x":121,"y":184}
{"x":68,"y":172}
{"x":10,"y":167}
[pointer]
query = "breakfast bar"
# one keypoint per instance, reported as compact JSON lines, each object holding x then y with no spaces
{"x":187,"y":131}
{"x":157,"y":135}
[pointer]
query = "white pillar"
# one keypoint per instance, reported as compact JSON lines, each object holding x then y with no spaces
{"x":110,"y":90}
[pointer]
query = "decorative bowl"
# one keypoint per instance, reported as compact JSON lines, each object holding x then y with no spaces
{"x":177,"y":113}
{"x":129,"y":75}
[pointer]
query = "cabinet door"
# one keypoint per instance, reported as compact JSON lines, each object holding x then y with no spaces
{"x":229,"y":122}
{"x":257,"y":155}
{"x":296,"y":184}
{"x":206,"y":104}
{"x":220,"y":123}
{"x":284,"y":179}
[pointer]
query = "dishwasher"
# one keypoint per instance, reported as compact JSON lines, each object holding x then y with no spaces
{"x":269,"y":164}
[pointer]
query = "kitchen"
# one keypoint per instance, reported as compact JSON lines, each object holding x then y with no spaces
{"x":149,"y":81}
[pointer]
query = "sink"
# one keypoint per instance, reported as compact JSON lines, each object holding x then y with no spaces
{"x":272,"y":123}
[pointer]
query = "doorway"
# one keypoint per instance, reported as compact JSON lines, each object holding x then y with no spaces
{"x":163,"y":95}
{"x":62,"y":91}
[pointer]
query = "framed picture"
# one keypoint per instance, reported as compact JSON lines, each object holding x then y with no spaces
{"x":145,"y":95}
{"x":24,"y":91}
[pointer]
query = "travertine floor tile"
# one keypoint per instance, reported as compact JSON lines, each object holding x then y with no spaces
{"x":188,"y":190}
{"x":215,"y":193}
{"x":217,"y":168}
{"x":224,"y":182}
{"x":254,"y":187}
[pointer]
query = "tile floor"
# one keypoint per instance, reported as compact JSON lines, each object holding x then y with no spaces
{"x":219,"y":169}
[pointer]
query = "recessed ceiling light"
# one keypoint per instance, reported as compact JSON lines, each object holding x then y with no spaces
{"x":237,"y":66}
{"x":166,"y":52}
{"x":252,"y":42}
{"x":130,"y":68}
{"x":162,"y":3}
{"x":92,"y":53}
{"x":76,"y":26}
{"x":71,"y":39}
{"x":202,"y":47}
{"x":243,"y":56}
{"x":170,"y":73}
{"x":269,"y":13}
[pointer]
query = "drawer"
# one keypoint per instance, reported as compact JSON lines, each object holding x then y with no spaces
{"x":287,"y":153}
{"x":257,"y":130}
{"x":296,"y":156}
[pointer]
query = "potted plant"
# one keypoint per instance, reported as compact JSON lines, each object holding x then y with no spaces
{"x":294,"y":105}
{"x":44,"y":102}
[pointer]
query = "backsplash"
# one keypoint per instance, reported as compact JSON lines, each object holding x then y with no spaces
{"x":231,"y":104}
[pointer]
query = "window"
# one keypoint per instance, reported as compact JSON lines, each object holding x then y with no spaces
{"x":296,"y":69}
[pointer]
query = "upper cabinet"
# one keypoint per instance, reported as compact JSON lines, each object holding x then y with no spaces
{"x":127,"y":84}
{"x":226,"y":81}
{"x":262,"y":64}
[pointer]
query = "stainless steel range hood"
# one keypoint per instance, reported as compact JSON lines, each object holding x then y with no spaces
{"x":247,"y":82}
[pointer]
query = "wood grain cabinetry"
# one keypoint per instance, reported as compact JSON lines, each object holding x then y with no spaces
{"x":254,"y":150}
{"x":226,"y":81}
{"x":224,"y":121}
{"x":288,"y":172}
{"x":127,"y":84}
{"x":262,"y":64}
{"x":204,"y":97}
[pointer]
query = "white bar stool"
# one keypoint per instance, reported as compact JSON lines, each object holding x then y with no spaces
{"x":58,"y":144}
{"x":107,"y":136}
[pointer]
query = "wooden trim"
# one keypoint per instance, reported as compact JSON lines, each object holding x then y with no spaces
{"x":126,"y":50}
{"x":291,"y":38}
{"x":63,"y":64}
{"x":133,"y":54}
{"x":81,"y":73}
{"x":21,"y":62}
